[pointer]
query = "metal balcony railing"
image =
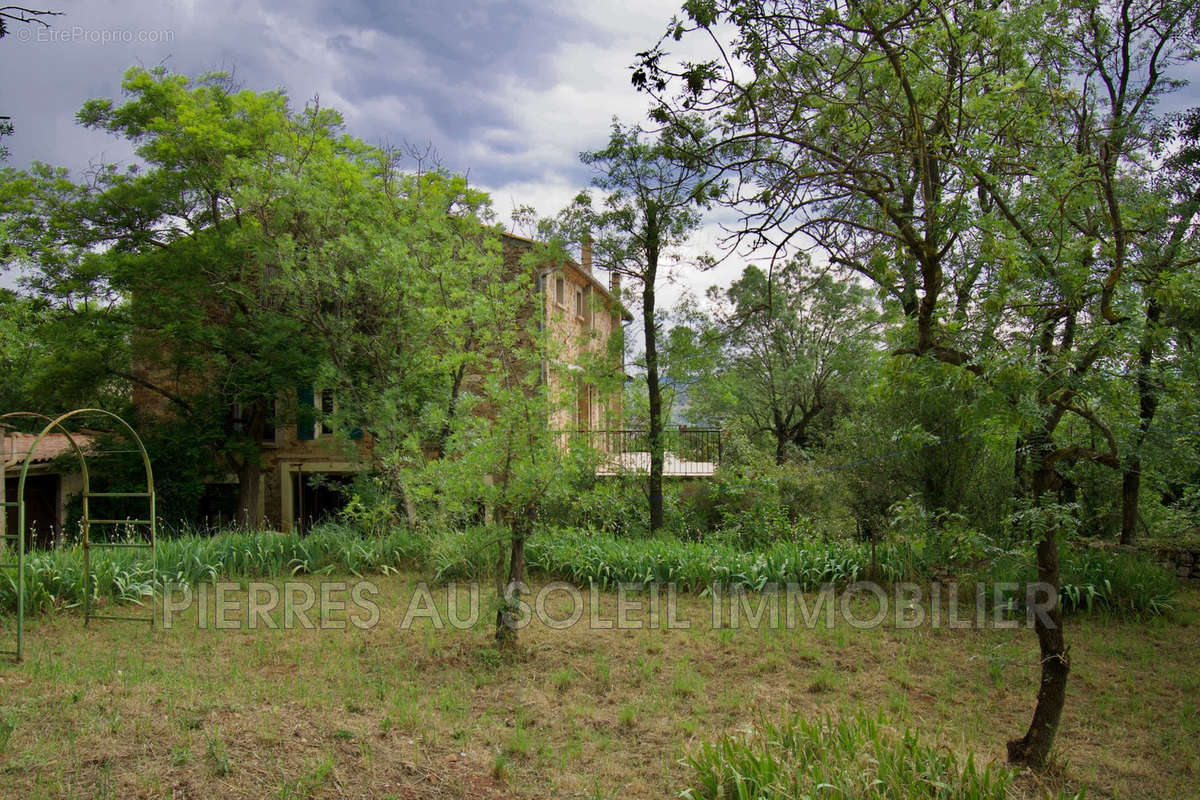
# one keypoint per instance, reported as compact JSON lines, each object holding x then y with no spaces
{"x":687,"y":451}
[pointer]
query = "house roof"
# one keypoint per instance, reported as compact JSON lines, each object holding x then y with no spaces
{"x":16,"y":446}
{"x":596,"y":283}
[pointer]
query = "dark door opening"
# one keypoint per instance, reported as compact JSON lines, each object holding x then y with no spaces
{"x":42,"y":524}
{"x":317,"y":496}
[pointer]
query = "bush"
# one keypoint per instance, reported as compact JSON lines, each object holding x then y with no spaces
{"x":1116,"y":581}
{"x":860,"y":758}
{"x":937,"y":537}
{"x":613,"y":506}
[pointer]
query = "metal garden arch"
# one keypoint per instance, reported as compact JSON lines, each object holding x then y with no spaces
{"x":54,"y":425}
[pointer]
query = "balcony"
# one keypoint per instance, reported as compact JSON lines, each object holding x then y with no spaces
{"x":687,"y":452}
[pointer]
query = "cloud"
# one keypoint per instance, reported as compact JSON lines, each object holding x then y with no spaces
{"x":508,"y":90}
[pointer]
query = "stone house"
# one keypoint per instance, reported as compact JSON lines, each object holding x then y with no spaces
{"x":52,"y":481}
{"x":304,"y":465}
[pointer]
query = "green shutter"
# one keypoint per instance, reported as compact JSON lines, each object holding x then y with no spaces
{"x":305,"y":418}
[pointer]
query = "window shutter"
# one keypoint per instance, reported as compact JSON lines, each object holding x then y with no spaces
{"x":304,"y":413}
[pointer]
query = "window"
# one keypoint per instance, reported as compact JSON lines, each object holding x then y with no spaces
{"x":268,"y":434}
{"x":305,"y":424}
{"x":579,"y":303}
{"x":560,"y":291}
{"x":583,"y":411}
{"x":240,"y":415}
{"x":314,"y":414}
{"x":327,"y":408}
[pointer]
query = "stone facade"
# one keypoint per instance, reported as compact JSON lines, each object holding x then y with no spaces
{"x":582,"y":316}
{"x":580,"y":312}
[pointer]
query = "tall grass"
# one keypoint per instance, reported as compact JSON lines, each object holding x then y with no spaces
{"x":1092,"y":580}
{"x":859,"y":758}
{"x":1117,"y":582}
{"x":54,"y":578}
{"x":583,"y":557}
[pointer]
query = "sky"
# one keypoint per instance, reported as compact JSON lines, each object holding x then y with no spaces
{"x":508,"y":91}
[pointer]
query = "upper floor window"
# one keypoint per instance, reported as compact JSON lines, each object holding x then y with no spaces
{"x":579,"y":303}
{"x":327,"y":408}
{"x":314,"y":415}
{"x":268,"y":434}
{"x":314,"y":407}
{"x":560,"y":290}
{"x":240,"y":415}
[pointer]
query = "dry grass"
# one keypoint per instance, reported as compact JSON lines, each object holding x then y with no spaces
{"x":121,"y":711}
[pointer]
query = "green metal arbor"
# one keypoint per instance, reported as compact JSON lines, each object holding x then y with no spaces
{"x":14,"y":541}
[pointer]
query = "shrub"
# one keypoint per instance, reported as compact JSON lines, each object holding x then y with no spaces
{"x":1115,"y":581}
{"x":614,"y":506}
{"x":860,"y":758}
{"x":937,"y":537}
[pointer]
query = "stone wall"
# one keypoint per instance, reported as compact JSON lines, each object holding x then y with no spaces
{"x":1184,"y":561}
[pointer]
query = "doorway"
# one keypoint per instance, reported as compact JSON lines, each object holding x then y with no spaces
{"x":42,"y":522}
{"x":318,"y":496}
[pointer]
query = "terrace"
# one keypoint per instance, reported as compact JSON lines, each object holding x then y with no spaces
{"x":688,"y":452}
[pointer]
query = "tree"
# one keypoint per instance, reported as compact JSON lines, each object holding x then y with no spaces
{"x":794,"y":341}
{"x":503,"y":432}
{"x":428,"y":327}
{"x":974,"y":166}
{"x":651,"y":204}
{"x":1166,"y":242}
{"x":157,"y":252}
{"x":25,"y":16}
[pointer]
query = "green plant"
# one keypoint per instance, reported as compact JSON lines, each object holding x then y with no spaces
{"x":8,"y":724}
{"x":370,"y":506}
{"x":1112,"y":581}
{"x":854,"y":757}
{"x":218,"y":754}
{"x":584,"y":557}
{"x":54,"y":578}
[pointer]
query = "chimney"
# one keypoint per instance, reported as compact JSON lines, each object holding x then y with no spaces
{"x":614,"y":283}
{"x":585,"y":253}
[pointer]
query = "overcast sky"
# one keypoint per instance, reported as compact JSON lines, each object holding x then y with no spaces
{"x":509,"y":90}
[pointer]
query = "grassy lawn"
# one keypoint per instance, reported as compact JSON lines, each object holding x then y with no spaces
{"x":119,"y":710}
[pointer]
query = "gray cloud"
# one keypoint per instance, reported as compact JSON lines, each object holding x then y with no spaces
{"x":465,"y":77}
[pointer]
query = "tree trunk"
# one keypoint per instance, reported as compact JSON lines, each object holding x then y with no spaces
{"x":1131,"y":469}
{"x":249,"y":494}
{"x":1019,"y":467}
{"x":506,"y":617}
{"x":655,"y":486}
{"x":1033,"y":749}
{"x":1131,"y":490}
{"x":249,"y":469}
{"x":456,"y":380}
